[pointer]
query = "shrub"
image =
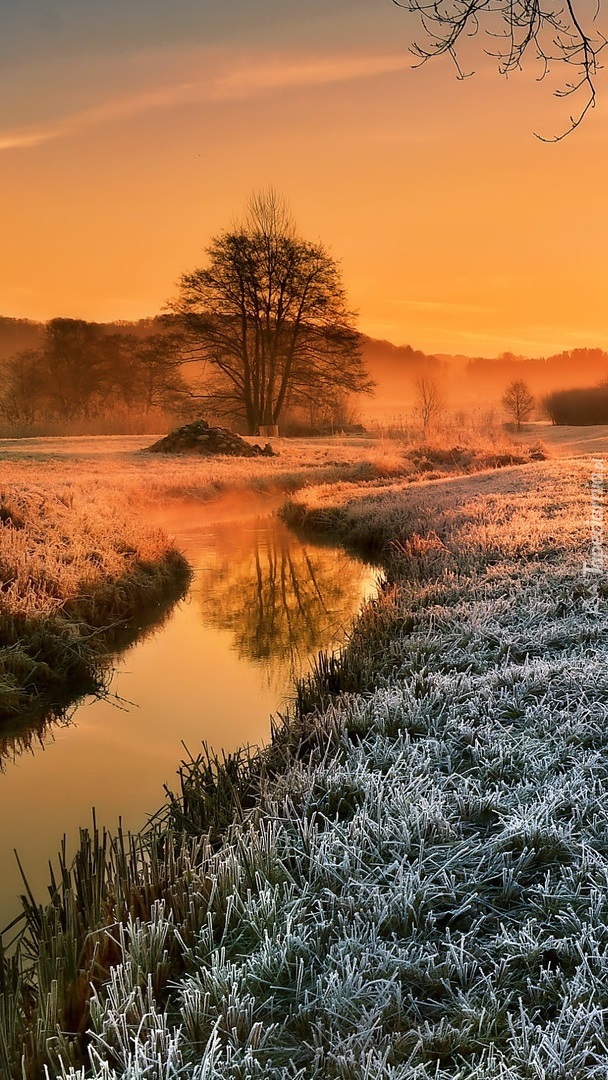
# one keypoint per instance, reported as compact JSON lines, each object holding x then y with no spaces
{"x":587,"y":405}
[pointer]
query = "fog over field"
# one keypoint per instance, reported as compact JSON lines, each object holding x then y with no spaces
{"x":142,"y":384}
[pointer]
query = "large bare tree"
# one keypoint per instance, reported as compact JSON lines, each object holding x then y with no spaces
{"x":268,"y":313}
{"x":566,"y":33}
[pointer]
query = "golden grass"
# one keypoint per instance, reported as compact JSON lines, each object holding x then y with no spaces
{"x":74,"y":568}
{"x":117,"y":462}
{"x":566,"y":440}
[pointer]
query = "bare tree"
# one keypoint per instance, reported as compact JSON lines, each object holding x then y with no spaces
{"x":518,"y":402}
{"x":564,"y":32}
{"x":269,"y":315}
{"x":428,"y":401}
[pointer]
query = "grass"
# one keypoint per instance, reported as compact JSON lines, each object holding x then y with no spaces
{"x":74,"y":571}
{"x":300,"y":462}
{"x":410,"y":881}
{"x":566,"y":440}
{"x":76,"y":567}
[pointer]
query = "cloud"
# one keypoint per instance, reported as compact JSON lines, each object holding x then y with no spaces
{"x":117,"y":109}
{"x":279,"y":74}
{"x":10,"y":141}
{"x":237,"y":80}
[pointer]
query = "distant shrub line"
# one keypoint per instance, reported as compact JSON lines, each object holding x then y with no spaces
{"x":579,"y":407}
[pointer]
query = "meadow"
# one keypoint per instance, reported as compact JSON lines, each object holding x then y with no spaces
{"x":409,"y":881}
{"x":83,"y":558}
{"x":118,"y":463}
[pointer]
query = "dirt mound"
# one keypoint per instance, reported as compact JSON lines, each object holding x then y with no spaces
{"x":200,"y":438}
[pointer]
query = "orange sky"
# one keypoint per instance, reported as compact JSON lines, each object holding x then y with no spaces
{"x":124,"y":145}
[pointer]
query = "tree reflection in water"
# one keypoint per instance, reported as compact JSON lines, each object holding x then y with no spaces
{"x":282,"y":599}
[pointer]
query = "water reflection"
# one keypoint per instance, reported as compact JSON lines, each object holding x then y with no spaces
{"x":32,"y":739}
{"x":260,"y":605}
{"x":32,"y":729}
{"x":282,"y":600}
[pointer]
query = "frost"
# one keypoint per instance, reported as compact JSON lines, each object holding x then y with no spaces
{"x":428,"y":898}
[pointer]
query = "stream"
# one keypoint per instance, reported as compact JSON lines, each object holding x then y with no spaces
{"x":261,"y":604}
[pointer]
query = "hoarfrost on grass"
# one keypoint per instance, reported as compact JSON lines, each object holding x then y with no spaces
{"x":428,"y":896}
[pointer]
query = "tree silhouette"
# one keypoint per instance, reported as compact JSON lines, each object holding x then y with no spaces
{"x":268,"y":314}
{"x":428,"y":401}
{"x":518,"y":402}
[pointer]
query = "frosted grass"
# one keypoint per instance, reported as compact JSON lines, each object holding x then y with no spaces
{"x":426,"y":895}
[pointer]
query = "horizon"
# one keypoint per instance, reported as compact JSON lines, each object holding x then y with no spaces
{"x":375,"y":340}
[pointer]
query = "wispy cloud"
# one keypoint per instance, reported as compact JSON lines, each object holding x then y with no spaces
{"x":279,"y":74}
{"x":18,"y":140}
{"x":239,"y":79}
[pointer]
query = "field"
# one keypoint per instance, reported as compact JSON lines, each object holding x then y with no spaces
{"x":80,"y":556}
{"x":566,"y":441}
{"x":410,"y":881}
{"x":116,"y":462}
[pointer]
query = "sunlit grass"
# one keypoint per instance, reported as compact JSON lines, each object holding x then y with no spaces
{"x":75,"y":565}
{"x":118,"y":462}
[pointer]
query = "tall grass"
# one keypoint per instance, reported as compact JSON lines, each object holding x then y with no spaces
{"x":411,"y":880}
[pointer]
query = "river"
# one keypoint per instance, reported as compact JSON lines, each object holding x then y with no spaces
{"x":261,"y":604}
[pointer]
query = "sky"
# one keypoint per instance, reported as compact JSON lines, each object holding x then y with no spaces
{"x":133,"y":131}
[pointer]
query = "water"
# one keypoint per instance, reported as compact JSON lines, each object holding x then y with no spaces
{"x":261,"y":604}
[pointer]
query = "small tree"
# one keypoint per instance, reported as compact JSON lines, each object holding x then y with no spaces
{"x":428,"y":401}
{"x":268,"y":314}
{"x":518,"y":402}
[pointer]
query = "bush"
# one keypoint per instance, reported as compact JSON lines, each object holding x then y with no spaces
{"x":588,"y":405}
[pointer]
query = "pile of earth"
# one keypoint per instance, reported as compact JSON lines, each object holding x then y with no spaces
{"x":200,"y":438}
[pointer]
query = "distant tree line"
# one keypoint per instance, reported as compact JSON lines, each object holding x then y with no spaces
{"x":542,"y":375}
{"x":84,"y":370}
{"x":17,"y":335}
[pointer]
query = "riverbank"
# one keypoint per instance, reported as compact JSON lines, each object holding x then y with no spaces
{"x":80,"y":566}
{"x":260,"y":604}
{"x":76,"y":568}
{"x":411,"y":880}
